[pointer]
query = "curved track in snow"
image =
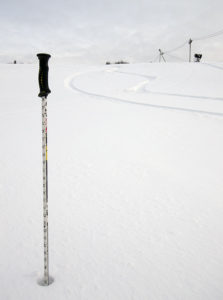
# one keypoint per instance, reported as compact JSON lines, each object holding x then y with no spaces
{"x":70,"y":83}
{"x":149,"y":78}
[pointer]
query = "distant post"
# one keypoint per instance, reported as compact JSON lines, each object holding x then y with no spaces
{"x":190,"y":42}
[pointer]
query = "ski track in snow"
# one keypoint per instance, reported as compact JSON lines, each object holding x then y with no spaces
{"x":212,"y":66}
{"x":144,"y":83}
{"x":69,"y":82}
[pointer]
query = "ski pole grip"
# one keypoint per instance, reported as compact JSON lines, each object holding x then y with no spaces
{"x":43,"y":74}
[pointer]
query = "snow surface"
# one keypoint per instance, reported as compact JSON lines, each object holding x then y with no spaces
{"x":135,"y":182}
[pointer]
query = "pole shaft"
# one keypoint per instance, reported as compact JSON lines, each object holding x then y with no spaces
{"x":45,"y":191}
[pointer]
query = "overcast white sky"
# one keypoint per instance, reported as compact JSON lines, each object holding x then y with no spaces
{"x":100,"y":30}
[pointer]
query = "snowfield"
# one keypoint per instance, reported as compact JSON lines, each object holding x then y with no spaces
{"x":135,"y":182}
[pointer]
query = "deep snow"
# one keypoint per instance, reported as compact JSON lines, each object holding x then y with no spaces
{"x":135,"y":182}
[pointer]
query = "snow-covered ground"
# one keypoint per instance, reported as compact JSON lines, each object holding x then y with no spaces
{"x":135,"y":182}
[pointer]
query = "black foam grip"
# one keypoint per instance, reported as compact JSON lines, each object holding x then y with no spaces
{"x":43,"y":74}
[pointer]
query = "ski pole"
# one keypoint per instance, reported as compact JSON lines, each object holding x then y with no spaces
{"x":44,"y":91}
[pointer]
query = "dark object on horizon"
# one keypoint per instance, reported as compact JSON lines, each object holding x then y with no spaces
{"x":197,"y":57}
{"x":121,"y":62}
{"x":15,"y":62}
{"x":117,"y":62}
